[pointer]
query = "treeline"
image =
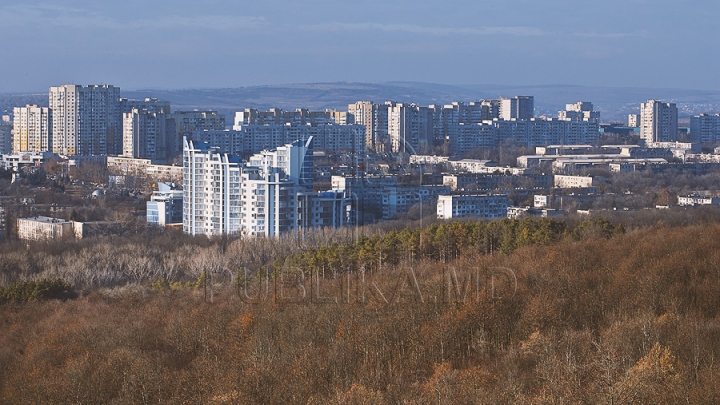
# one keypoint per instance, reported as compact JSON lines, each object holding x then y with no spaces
{"x":633,"y":318}
{"x":143,"y":258}
{"x":445,"y":242}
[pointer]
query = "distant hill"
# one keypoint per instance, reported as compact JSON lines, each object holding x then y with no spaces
{"x":614,"y":103}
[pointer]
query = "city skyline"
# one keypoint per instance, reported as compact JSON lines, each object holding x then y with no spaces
{"x":162,"y":45}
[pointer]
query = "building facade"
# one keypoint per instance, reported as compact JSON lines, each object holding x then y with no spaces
{"x":518,"y":107}
{"x":211,"y":191}
{"x":658,"y":121}
{"x":489,"y":206}
{"x":165,"y":206}
{"x":634,"y":120}
{"x":31,"y":129}
{"x":409,"y":128}
{"x":363,"y":113}
{"x":187,"y":122}
{"x":148,"y":134}
{"x":86,"y":120}
{"x":399,"y":199}
{"x":6,"y":138}
{"x":40,"y":228}
{"x":705,"y":128}
{"x":269,"y":195}
{"x":580,"y":111}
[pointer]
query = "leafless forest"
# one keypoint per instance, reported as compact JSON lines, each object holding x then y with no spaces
{"x":618,"y":311}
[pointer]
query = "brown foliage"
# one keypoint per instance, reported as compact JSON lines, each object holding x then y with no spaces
{"x":630,"y":319}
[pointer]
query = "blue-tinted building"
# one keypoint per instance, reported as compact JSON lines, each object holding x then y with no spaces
{"x":165,"y":206}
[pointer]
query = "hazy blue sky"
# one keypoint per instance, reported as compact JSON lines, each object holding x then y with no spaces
{"x":204,"y":44}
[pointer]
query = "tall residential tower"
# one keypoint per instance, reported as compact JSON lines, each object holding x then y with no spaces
{"x":31,"y":129}
{"x":658,"y":121}
{"x":87,"y":120}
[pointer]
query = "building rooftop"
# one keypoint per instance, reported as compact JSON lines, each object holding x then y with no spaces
{"x":48,"y":220}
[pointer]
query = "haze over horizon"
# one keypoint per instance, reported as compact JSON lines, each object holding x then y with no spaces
{"x":220,"y":44}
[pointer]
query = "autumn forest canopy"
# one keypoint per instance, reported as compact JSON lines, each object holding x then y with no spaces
{"x":614,"y":310}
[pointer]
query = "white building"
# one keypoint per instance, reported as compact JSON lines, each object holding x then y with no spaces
{"x":521,"y":212}
{"x":473,"y":165}
{"x":18,"y":160}
{"x":580,"y":111}
{"x":363,"y":113}
{"x":634,"y":120}
{"x":658,"y":121}
{"x":211,"y":191}
{"x":428,"y":159}
{"x":543,"y":201}
{"x":269,"y":195}
{"x":693,"y":199}
{"x":270,"y":184}
{"x":490,"y":206}
{"x":86,"y":120}
{"x":31,"y":129}
{"x":573,"y":181}
{"x":38,"y":228}
{"x":127,"y":166}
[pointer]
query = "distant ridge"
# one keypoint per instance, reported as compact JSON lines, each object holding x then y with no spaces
{"x":614,"y":103}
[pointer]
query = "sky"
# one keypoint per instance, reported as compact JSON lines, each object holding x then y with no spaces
{"x":184,"y":44}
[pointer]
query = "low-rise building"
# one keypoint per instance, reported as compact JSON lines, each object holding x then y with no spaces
{"x":40,"y":228}
{"x":18,"y":160}
{"x":563,"y":181}
{"x":428,"y":159}
{"x":695,"y":199}
{"x":474,"y":165}
{"x":478,"y":181}
{"x":543,"y":201}
{"x":520,"y":212}
{"x":128,"y":166}
{"x":490,"y":206}
{"x":399,"y":199}
{"x":165,"y":206}
{"x":563,"y":150}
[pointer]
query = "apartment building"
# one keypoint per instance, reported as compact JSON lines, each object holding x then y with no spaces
{"x":580,"y":111}
{"x":31,"y":129}
{"x":187,"y":122}
{"x":488,"y":206}
{"x":399,"y":199}
{"x":6,"y":137}
{"x":165,"y":206}
{"x":409,"y":128}
{"x":518,"y":107}
{"x":364,"y":113}
{"x":39,"y":228}
{"x":705,"y":128}
{"x":86,"y":120}
{"x":658,"y":121}
{"x":268,"y":195}
{"x":148,"y":134}
{"x":211,"y":190}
